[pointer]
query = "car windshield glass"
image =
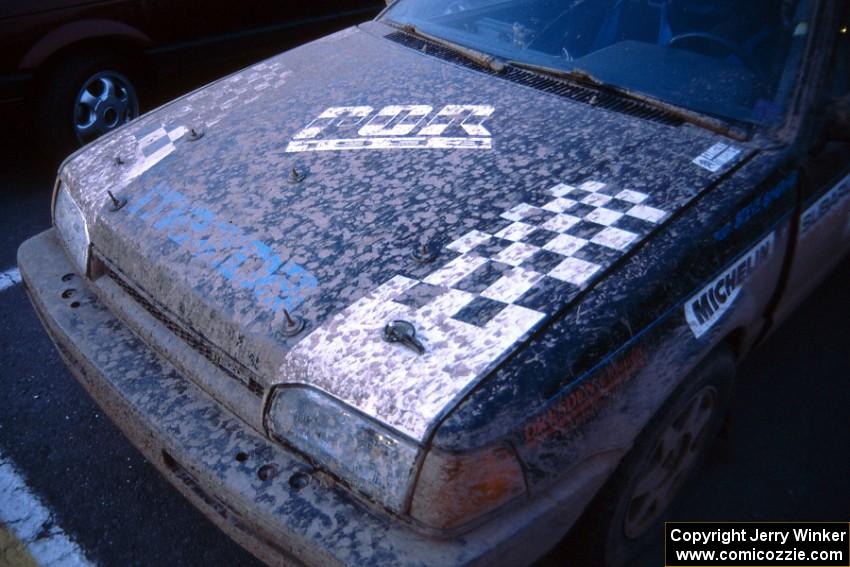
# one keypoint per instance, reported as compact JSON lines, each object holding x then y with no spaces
{"x":732,"y":59}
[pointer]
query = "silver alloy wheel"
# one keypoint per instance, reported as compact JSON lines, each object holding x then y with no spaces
{"x":106,"y":100}
{"x":672,"y":458}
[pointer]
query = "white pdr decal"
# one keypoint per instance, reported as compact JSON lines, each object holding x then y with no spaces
{"x":707,"y":307}
{"x":398,"y":126}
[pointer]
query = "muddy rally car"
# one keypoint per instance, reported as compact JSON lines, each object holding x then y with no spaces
{"x":443,"y":287}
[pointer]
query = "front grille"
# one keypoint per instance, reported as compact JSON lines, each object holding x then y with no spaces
{"x":578,"y":93}
{"x":224,"y":362}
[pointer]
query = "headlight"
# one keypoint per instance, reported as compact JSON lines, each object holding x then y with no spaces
{"x":69,"y":221}
{"x":359,"y":451}
{"x":451,"y":490}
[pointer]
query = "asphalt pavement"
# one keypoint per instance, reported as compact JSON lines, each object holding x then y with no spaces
{"x":787,"y":456}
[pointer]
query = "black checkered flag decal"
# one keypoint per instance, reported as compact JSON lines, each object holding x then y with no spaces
{"x":498,"y":286}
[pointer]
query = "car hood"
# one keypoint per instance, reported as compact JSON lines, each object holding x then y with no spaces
{"x":354,"y":182}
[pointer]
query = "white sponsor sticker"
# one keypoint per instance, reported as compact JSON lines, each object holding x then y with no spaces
{"x":707,"y":307}
{"x":714,"y":158}
{"x":396,"y":127}
{"x":821,"y":208}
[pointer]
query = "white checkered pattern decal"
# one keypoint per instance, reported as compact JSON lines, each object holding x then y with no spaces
{"x":562,"y":243}
{"x":153,"y":145}
{"x":496,"y":287}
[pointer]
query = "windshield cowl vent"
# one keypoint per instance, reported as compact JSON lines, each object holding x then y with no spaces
{"x":578,"y":93}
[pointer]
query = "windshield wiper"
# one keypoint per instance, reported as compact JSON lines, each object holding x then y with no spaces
{"x":582,"y":77}
{"x":483,"y":59}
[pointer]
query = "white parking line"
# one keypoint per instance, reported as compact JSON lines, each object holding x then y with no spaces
{"x":9,"y":278}
{"x":23,"y":514}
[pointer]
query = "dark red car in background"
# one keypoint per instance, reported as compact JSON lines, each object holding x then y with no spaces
{"x":84,"y":67}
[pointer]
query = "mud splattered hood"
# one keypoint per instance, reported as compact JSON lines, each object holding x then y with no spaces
{"x":300,"y":192}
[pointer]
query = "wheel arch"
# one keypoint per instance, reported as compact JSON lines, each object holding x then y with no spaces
{"x":83,"y":34}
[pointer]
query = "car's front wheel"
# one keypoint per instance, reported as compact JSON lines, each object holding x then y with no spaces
{"x":85,"y":96}
{"x":627,"y":514}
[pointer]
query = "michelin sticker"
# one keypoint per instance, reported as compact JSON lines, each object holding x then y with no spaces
{"x":830,"y":202}
{"x":408,"y":127}
{"x":707,"y":307}
{"x":714,"y":158}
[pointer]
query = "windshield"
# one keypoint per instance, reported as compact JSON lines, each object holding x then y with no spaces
{"x":732,"y":59}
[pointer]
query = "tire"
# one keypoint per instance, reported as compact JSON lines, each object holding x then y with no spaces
{"x":84,"y":96}
{"x":621,"y":521}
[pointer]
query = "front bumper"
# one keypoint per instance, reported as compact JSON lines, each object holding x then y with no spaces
{"x":194,"y":442}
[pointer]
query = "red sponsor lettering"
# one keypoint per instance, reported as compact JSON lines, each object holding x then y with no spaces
{"x":584,"y":400}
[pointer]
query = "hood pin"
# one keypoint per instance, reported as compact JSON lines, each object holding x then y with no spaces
{"x":194,"y":134}
{"x":292,"y":326}
{"x":296,"y":176}
{"x":117,"y":202}
{"x":404,"y":333}
{"x":424,"y":254}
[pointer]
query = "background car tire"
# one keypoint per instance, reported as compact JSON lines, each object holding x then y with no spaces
{"x":620,"y":521}
{"x":86,"y":94}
